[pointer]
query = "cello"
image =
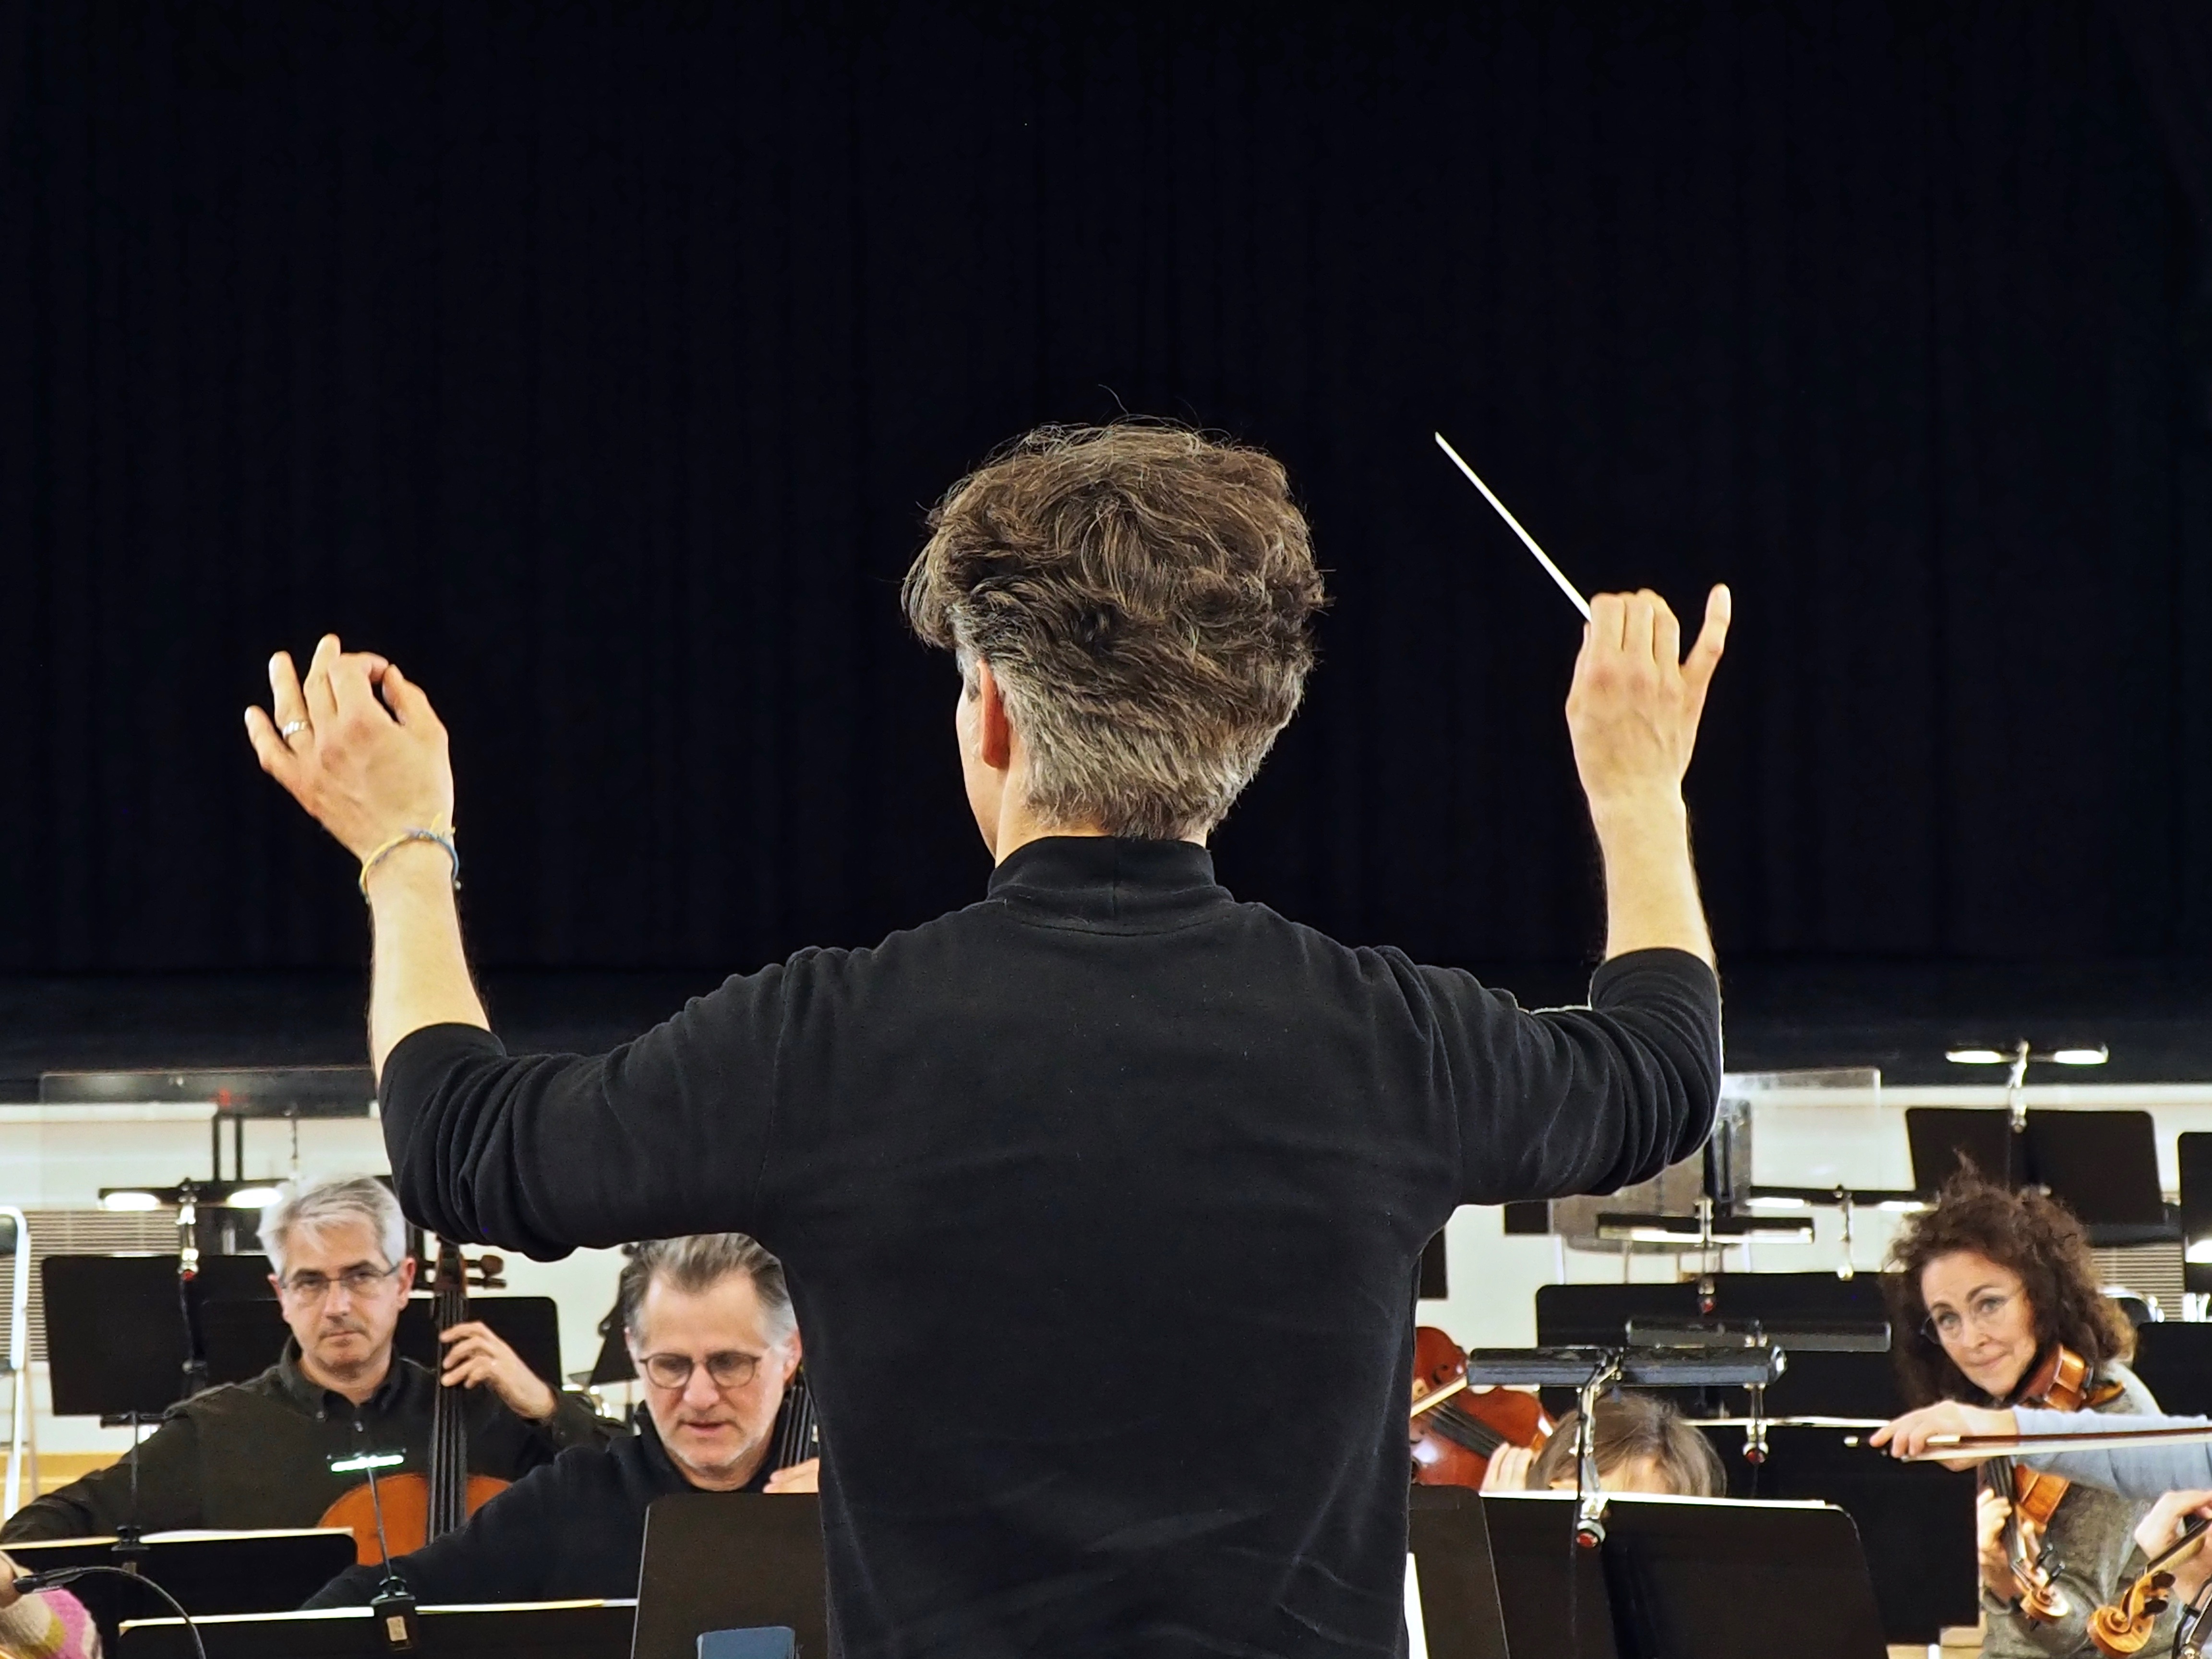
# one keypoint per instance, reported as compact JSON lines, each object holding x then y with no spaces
{"x":1456,"y":1433}
{"x":419,"y":1508}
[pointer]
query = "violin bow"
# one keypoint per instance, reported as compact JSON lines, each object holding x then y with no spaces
{"x":1946,"y":1448}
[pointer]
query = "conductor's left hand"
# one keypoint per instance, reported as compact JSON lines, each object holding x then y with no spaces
{"x":367,"y":753}
{"x":799,"y":1477}
{"x":477,"y":1357}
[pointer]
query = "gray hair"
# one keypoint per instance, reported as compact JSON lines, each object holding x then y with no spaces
{"x":698,"y":1262}
{"x":1145,"y":596}
{"x":323,"y":1204}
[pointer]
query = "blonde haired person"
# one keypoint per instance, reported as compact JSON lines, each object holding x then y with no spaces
{"x":1642,"y":1444}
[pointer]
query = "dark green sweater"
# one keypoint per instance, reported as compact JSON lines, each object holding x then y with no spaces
{"x":256,"y":1453}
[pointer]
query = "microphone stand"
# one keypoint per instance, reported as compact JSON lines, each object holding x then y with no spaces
{"x":393,"y":1608}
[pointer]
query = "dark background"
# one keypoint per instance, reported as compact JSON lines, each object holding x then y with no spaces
{"x":597,"y":363}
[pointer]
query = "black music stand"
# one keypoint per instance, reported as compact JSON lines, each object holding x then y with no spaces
{"x":731,"y":1561}
{"x":1462,"y":1613}
{"x":2101,"y":1165}
{"x":1683,"y":1575}
{"x":523,"y":1629}
{"x":207,"y":1573}
{"x":2193,"y":1153}
{"x":246,"y":1338}
{"x":115,"y":1329}
{"x":2174,"y":1361}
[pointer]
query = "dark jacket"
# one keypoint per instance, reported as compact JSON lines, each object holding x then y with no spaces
{"x":1101,"y":1202}
{"x":258,"y":1453}
{"x":573,"y":1530}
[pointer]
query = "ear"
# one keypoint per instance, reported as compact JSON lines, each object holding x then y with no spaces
{"x":407,"y":1277}
{"x":994,"y":738}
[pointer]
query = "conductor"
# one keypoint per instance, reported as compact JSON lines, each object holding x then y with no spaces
{"x":1078,"y":1185}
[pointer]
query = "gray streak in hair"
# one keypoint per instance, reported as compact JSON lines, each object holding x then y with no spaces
{"x":323,"y":1204}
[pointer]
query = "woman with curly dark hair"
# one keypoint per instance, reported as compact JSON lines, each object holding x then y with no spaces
{"x":1984,"y":1288}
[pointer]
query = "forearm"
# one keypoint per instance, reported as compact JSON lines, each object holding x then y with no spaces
{"x":1650,"y":883}
{"x":421,"y":975}
{"x":2142,"y":1474}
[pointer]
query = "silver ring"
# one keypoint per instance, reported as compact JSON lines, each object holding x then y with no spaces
{"x":286,"y":730}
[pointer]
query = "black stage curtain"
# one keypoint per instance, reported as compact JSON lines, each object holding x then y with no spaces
{"x":598,"y":361}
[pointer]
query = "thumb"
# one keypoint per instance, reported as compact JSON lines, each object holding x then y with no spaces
{"x":1712,"y":639}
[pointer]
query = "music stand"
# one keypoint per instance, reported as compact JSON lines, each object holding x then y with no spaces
{"x":1685,"y":1576}
{"x":731,"y":1561}
{"x":2101,"y":1165}
{"x":1462,"y":1612}
{"x":115,"y":1328}
{"x":207,"y":1572}
{"x":521,"y":1630}
{"x":244,"y":1338}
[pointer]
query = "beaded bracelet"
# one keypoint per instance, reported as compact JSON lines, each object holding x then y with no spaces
{"x":442,"y":838}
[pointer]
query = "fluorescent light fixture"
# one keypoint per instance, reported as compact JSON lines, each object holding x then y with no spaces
{"x":1762,"y":1201}
{"x":129,"y":1200}
{"x":1970,"y":1056}
{"x":2096,"y":1056}
{"x":1903,"y":1205}
{"x":2200,"y":1249}
{"x":253,"y":1198}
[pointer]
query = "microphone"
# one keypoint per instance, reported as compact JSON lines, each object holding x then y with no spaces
{"x":394,"y":1609}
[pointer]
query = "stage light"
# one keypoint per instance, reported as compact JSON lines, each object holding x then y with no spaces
{"x":253,"y":1198}
{"x":2096,"y":1056}
{"x":126,"y":1199}
{"x":1972,"y":1056}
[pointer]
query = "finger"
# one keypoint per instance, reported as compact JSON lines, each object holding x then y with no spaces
{"x":1712,"y":640}
{"x":407,"y":701}
{"x":349,"y":685}
{"x":1666,"y":635}
{"x":1882,"y":1436}
{"x":275,"y":756}
{"x":322,"y":704}
{"x":466,"y":1329}
{"x":1609,"y":620}
{"x":286,"y":704}
{"x":1637,"y":622}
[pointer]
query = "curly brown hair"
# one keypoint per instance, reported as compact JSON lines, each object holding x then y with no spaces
{"x":1145,"y":596}
{"x":2030,"y":1232}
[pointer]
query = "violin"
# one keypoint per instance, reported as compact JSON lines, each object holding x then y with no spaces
{"x":418,"y":1508}
{"x":1458,"y":1428}
{"x":2122,"y":1627}
{"x":2061,"y":1383}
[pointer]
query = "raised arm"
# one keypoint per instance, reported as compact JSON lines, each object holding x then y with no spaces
{"x":1633,"y":711}
{"x":359,"y":747}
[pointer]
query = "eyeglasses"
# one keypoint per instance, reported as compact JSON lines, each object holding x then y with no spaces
{"x":1982,"y":1314}
{"x":357,"y":1281}
{"x":728,"y":1370}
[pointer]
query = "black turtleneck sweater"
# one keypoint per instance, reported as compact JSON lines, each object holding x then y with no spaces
{"x":1101,"y":1202}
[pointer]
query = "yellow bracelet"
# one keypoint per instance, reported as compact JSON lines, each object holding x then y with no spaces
{"x":442,"y":838}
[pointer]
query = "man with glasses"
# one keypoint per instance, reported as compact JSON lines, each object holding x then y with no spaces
{"x":257,"y":1454}
{"x":709,"y":1324}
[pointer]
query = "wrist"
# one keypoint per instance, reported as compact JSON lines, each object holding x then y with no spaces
{"x":421,"y":853}
{"x":1654,"y":810}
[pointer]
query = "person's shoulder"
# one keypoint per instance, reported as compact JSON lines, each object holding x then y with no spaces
{"x":255,"y":1396}
{"x":2124,"y":1394}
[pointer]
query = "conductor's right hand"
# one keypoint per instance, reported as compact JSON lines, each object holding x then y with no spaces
{"x":357,"y":744}
{"x":1635,"y":703}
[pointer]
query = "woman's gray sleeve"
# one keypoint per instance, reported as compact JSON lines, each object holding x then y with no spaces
{"x":2141,"y":1472}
